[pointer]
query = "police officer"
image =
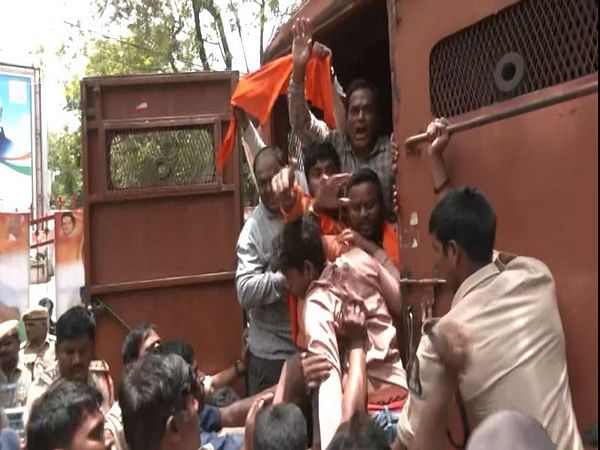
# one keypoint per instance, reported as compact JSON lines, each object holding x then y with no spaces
{"x":75,"y":337}
{"x":38,"y":351}
{"x":12,"y":371}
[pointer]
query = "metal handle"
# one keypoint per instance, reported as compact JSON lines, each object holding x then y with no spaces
{"x":580,"y":91}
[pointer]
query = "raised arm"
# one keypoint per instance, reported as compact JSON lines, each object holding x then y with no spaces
{"x":353,"y":328}
{"x":304,"y":124}
{"x":438,"y":132}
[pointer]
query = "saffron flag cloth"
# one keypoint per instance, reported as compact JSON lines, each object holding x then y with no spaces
{"x":257,"y":92}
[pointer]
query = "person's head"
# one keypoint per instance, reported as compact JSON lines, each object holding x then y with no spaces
{"x":186,"y":352}
{"x":157,"y":399}
{"x":301,"y":255}
{"x":9,"y":345}
{"x":366,"y":212}
{"x":280,"y":426}
{"x":266,"y":165}
{"x":362,"y":118}
{"x":463,"y":227}
{"x":67,"y":417}
{"x":320,"y":159}
{"x":67,"y":222}
{"x":359,"y":433}
{"x":141,"y":339}
{"x":36,"y":324}
{"x":510,"y":429}
{"x":48,"y":304}
{"x":75,"y":336}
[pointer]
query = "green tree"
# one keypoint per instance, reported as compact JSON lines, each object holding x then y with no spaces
{"x":163,"y":36}
{"x":64,"y":163}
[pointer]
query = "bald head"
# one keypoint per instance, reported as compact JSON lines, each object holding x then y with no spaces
{"x":266,"y":165}
{"x":510,"y":430}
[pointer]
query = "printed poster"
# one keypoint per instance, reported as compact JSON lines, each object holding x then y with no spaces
{"x":16,"y":142}
{"x":68,"y":251}
{"x":14,"y":264}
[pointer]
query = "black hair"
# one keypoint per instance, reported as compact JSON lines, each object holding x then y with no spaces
{"x":153,"y":388}
{"x":366,"y":175}
{"x":300,"y":241}
{"x":46,"y":301}
{"x":75,"y":323}
{"x":359,"y":433}
{"x":180,"y":348}
{"x":68,"y":214}
{"x":56,"y":416}
{"x":275,"y":152}
{"x":361,"y":83}
{"x":466,"y":216}
{"x":280,"y":426}
{"x":130,"y":349}
{"x":321,"y":151}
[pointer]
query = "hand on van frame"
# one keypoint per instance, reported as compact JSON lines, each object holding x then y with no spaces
{"x":438,"y":136}
{"x":303,"y":42}
{"x":394,"y":153}
{"x":321,"y":50}
{"x":283,"y":185}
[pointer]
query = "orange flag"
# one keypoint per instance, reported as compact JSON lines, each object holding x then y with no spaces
{"x":257,"y":92}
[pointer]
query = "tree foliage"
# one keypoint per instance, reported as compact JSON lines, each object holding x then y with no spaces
{"x":162,"y":36}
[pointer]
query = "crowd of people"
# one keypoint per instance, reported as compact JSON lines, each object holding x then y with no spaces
{"x":318,"y":275}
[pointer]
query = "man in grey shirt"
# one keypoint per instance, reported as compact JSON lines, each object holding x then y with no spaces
{"x":261,"y":288}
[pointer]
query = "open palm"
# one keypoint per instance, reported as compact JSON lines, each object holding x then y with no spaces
{"x":302,"y":43}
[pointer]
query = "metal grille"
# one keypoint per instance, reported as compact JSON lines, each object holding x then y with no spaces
{"x":165,"y":157}
{"x":526,"y":47}
{"x":295,"y":150}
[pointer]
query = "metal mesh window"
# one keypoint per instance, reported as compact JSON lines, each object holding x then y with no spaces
{"x":526,"y":47}
{"x":165,"y":157}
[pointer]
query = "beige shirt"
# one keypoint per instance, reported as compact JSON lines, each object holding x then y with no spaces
{"x":14,"y":386}
{"x":98,"y":377}
{"x":114,"y":424}
{"x":37,"y":360}
{"x":518,"y":359}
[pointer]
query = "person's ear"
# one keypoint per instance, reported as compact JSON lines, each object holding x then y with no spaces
{"x":172,"y":427}
{"x":309,"y":270}
{"x":453,"y":253}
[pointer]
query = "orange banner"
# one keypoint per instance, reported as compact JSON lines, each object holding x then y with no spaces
{"x":14,"y":264}
{"x":68,"y":251}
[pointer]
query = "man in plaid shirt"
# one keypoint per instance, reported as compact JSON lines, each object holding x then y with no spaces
{"x":359,"y":144}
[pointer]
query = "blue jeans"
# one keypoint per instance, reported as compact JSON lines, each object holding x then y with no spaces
{"x":388,"y":421}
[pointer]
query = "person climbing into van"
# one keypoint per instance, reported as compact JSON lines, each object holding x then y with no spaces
{"x":359,"y":145}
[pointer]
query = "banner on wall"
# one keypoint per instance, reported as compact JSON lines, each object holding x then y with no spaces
{"x":68,"y":252}
{"x":16,"y":139}
{"x":14,"y":264}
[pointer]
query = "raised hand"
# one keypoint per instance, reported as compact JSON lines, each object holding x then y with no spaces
{"x":438,"y":136}
{"x":283,"y":185}
{"x":327,"y":196}
{"x":353,"y":321}
{"x":302,"y":43}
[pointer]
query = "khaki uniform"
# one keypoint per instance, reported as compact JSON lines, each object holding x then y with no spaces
{"x":98,"y":377}
{"x":40,"y":359}
{"x":114,"y":424}
{"x":518,"y":359}
{"x":15,"y":395}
